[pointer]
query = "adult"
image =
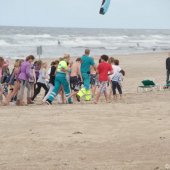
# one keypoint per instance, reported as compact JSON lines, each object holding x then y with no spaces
{"x":61,"y":80}
{"x":168,"y":67}
{"x":87,"y":63}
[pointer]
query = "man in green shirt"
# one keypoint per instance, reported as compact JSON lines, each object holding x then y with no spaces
{"x":87,"y":63}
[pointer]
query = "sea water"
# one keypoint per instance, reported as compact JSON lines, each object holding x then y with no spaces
{"x":18,"y":42}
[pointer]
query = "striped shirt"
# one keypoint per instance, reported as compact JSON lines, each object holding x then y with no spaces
{"x":118,"y":77}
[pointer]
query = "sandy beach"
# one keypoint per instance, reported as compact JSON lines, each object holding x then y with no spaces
{"x":131,"y":134}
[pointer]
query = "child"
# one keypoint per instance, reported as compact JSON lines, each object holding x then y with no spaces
{"x":37,"y":67}
{"x":23,"y":77}
{"x":116,"y":68}
{"x":31,"y":83}
{"x":93,"y":79}
{"x":116,"y":83}
{"x":103,"y":68}
{"x":52,"y":74}
{"x":14,"y":82}
{"x":3,"y":65}
{"x":41,"y":82}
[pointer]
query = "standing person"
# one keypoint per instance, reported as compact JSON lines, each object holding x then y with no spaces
{"x":52,"y":74}
{"x":41,"y":82}
{"x":103,"y":69}
{"x":87,"y":63}
{"x":61,"y":80}
{"x":168,"y":68}
{"x":116,"y":68}
{"x":23,"y":77}
{"x":75,"y":77}
{"x":32,"y":81}
{"x":93,"y":79}
{"x":117,"y":83}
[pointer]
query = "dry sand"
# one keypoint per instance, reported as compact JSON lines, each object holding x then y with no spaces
{"x":132,"y":134}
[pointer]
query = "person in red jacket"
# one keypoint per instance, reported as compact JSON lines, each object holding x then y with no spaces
{"x":103,"y":69}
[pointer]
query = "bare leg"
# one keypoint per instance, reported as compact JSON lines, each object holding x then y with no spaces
{"x":106,"y":96}
{"x":62,"y":94}
{"x":97,"y":97}
{"x":13,"y":93}
{"x":93,"y":89}
{"x":115,"y":97}
{"x":1,"y":98}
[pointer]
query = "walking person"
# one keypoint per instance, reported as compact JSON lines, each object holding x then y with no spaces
{"x":32,"y":81}
{"x":23,"y":77}
{"x":52,"y":74}
{"x":14,"y":82}
{"x":168,"y":68}
{"x":75,"y":78}
{"x":41,"y":82}
{"x":87,"y":63}
{"x":3,"y":64}
{"x":61,"y":80}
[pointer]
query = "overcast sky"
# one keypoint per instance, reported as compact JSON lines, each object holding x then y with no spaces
{"x":85,"y":13}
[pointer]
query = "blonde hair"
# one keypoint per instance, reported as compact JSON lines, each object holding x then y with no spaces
{"x":65,"y":57}
{"x":17,"y":63}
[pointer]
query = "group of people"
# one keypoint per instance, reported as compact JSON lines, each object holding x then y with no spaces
{"x":65,"y":80}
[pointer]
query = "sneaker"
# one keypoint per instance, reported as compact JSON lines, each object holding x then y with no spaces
{"x":48,"y":102}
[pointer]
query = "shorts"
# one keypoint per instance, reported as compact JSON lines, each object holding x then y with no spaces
{"x":93,"y":78}
{"x":102,"y":87}
{"x":75,"y":83}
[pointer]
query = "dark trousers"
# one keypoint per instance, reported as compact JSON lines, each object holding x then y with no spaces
{"x":38,"y":89}
{"x":168,"y":75}
{"x":116,"y":85}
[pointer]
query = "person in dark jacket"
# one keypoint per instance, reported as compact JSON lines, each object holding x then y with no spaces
{"x":168,"y":68}
{"x":54,"y":66}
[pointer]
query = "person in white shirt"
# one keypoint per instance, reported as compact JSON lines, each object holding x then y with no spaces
{"x":116,"y":68}
{"x":117,"y":83}
{"x":41,"y":82}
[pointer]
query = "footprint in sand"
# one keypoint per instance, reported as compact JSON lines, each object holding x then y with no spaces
{"x":77,"y":133}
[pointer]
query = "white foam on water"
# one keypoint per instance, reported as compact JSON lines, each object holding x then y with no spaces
{"x":25,"y":40}
{"x":4,"y":43}
{"x":29,"y":36}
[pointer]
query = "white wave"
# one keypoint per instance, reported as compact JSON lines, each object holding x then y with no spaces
{"x":4,"y":43}
{"x":80,"y":42}
{"x":30,"y":36}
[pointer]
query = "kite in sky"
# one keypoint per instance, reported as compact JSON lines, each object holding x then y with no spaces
{"x":104,"y":7}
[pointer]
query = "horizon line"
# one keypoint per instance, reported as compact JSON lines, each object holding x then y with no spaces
{"x":75,"y":27}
